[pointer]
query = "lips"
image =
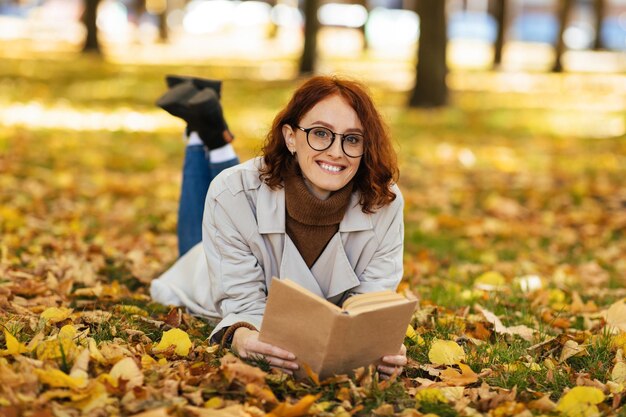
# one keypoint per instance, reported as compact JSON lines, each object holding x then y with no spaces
{"x":330,"y":168}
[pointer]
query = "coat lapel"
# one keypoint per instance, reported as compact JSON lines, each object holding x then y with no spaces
{"x":332,"y":274}
{"x":333,"y":271}
{"x":294,"y":268}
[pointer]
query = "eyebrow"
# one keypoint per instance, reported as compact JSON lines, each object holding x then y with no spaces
{"x":331,"y":127}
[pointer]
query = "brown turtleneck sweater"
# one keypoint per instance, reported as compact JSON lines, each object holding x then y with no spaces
{"x":311,"y":222}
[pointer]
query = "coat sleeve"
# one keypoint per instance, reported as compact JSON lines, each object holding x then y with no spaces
{"x":238,"y":288}
{"x":384,"y":271}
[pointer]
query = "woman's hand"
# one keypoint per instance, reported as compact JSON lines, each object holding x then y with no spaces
{"x":393,"y":363}
{"x":246,"y":343}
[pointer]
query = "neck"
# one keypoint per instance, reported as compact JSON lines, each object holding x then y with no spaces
{"x":321,"y":194}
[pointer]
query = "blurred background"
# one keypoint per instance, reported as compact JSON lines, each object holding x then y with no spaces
{"x":508,"y":116}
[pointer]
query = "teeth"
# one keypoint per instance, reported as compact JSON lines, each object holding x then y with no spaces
{"x":330,"y":167}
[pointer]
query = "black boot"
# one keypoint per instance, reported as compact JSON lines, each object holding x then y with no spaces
{"x":174,"y":101}
{"x":209,"y":120}
{"x":199,"y":83}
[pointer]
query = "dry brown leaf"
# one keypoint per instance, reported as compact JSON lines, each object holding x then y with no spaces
{"x":524,"y":332}
{"x":235,"y":370}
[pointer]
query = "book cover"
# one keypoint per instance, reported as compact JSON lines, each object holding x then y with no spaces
{"x":333,"y":340}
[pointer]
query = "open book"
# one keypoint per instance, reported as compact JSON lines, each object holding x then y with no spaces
{"x":333,"y":340}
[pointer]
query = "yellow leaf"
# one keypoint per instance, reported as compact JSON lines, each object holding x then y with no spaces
{"x":580,"y":402}
{"x":97,"y":398}
{"x":301,"y":408}
{"x":59,"y":379}
{"x":619,"y":341}
{"x":430,"y":395}
{"x":147,"y":361}
{"x":61,"y":348}
{"x":262,"y":393}
{"x":131,"y":309}
{"x":94,"y":353}
{"x":127,"y":369}
{"x":410,"y":333}
{"x":488,"y":281}
{"x":214,"y":402}
{"x":55,"y":315}
{"x":445,"y":352}
{"x":619,"y":373}
{"x":14,"y":347}
{"x":453,"y":377}
{"x":615,"y":317}
{"x":176,"y":337}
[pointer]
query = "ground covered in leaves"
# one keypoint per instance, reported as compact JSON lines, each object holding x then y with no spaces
{"x":515,"y":246}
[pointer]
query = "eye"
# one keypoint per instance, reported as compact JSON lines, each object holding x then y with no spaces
{"x":321,"y":133}
{"x":353,"y":139}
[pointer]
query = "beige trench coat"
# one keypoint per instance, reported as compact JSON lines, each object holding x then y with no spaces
{"x":244,"y":245}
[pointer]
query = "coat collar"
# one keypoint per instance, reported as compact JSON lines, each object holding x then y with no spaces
{"x":270,"y":212}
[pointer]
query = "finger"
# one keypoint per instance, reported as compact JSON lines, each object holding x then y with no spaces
{"x":280,"y":363}
{"x":388,"y":370}
{"x":398,"y":360}
{"x":403,"y":350}
{"x":271,"y":350}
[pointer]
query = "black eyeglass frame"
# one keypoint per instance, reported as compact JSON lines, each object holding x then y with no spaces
{"x":343,"y":135}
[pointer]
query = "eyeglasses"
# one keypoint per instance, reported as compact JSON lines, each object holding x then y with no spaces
{"x":321,"y":138}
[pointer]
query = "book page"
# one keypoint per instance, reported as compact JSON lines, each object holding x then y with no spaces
{"x":363,"y":339}
{"x":374,"y":298}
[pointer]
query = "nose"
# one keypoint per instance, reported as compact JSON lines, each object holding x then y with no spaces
{"x":335,"y":149}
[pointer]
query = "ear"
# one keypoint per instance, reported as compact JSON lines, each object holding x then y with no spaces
{"x":290,"y":137}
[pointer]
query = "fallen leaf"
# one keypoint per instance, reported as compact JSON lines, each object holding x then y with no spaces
{"x":128,"y":370}
{"x":490,"y":281}
{"x":524,"y":332}
{"x":264,"y":394}
{"x":453,"y":377}
{"x":174,"y":337}
{"x":544,"y":404}
{"x":615,"y":317}
{"x":301,"y":408}
{"x":571,"y":348}
{"x":234,"y":369}
{"x":430,"y":395}
{"x":55,"y":315}
{"x":14,"y":347}
{"x":580,"y":402}
{"x":445,"y":352}
{"x":383,"y":410}
{"x":618,"y":374}
{"x":81,"y":365}
{"x":59,"y":379}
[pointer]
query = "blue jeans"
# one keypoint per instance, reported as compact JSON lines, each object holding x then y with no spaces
{"x":198,"y":172}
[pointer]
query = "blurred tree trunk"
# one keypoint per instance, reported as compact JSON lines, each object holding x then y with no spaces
{"x":362,"y":28}
{"x":311,"y":28}
{"x":497,"y":8}
{"x":565,"y":8}
{"x":430,"y":81}
{"x":600,"y":8}
{"x":162,"y":19}
{"x":89,"y":18}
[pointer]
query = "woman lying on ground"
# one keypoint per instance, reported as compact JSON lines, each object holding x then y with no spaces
{"x":320,"y":207}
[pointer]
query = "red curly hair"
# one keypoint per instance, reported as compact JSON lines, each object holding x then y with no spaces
{"x":378,"y":168}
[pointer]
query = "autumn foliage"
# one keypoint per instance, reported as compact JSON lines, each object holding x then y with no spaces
{"x":515,"y":247}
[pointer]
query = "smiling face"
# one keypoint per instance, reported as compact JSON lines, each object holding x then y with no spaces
{"x":329,"y":170}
